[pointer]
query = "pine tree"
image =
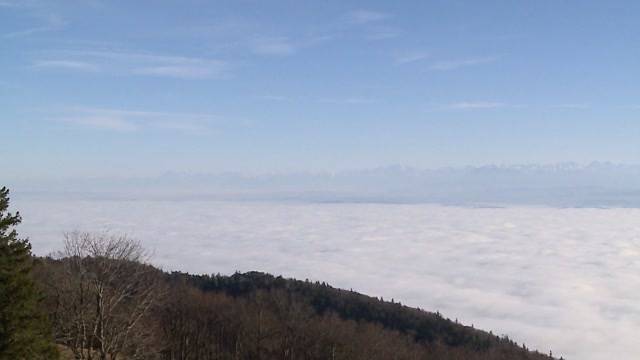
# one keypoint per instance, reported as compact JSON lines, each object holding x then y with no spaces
{"x":24,"y":330}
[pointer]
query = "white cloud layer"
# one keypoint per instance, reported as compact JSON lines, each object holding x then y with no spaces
{"x":560,"y":279}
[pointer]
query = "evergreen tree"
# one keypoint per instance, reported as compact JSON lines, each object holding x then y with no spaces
{"x":24,"y":330}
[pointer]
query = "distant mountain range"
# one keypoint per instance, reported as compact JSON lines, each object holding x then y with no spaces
{"x":565,"y":184}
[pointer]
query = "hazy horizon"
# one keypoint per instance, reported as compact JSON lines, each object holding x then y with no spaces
{"x":596,"y":184}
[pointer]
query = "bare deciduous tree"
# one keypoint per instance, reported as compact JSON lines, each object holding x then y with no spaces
{"x":104,"y":296}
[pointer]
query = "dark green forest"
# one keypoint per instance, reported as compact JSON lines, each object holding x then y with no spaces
{"x":98,"y":298}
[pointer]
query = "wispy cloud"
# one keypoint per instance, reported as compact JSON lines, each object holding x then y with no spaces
{"x":349,"y":100}
{"x":382,"y":33}
{"x":488,"y":105}
{"x":477,"y":105}
{"x":108,"y":122}
{"x":572,"y":106}
{"x":20,"y":4}
{"x":190,"y":71}
{"x":10,"y":4}
{"x":366,"y":16}
{"x":238,"y":35}
{"x":274,"y":97}
{"x":353,"y":100}
{"x":66,"y":64}
{"x":411,"y":57}
{"x":244,"y":35}
{"x":147,"y":64}
{"x":461,"y":63}
{"x":279,"y":46}
{"x":51,"y":22}
{"x":185,"y":127}
{"x":120,"y":120}
{"x":373,"y":23}
{"x":27,"y":32}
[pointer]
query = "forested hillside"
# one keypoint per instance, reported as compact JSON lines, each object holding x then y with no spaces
{"x":247,"y":316}
{"x":421,"y":326}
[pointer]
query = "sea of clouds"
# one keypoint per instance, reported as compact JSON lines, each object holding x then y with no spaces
{"x":565,"y":279}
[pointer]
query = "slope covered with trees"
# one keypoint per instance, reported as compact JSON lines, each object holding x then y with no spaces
{"x":420,"y":325}
{"x":425,"y":334}
{"x":107,"y":304}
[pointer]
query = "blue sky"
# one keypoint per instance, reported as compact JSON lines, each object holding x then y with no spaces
{"x":138,"y":88}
